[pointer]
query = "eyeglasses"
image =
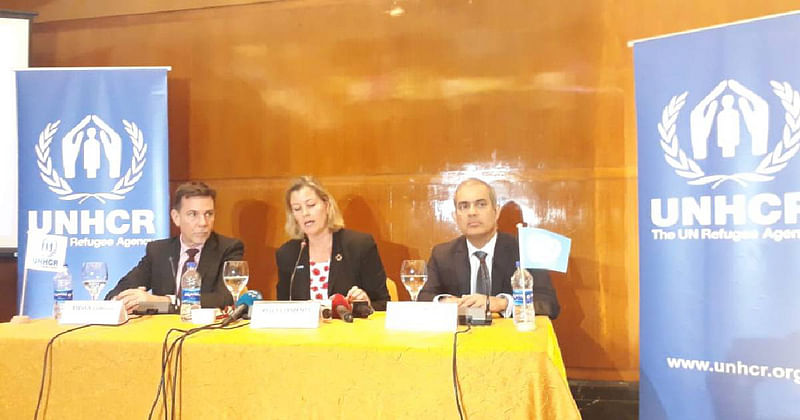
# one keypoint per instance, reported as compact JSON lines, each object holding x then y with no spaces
{"x":479,"y":205}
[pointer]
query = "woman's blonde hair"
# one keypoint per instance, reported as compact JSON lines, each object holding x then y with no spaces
{"x":335,"y":219}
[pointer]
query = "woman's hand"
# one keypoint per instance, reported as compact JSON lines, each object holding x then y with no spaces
{"x":355,"y":293}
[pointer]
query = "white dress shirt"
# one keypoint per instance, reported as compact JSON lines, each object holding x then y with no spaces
{"x":475,"y":264}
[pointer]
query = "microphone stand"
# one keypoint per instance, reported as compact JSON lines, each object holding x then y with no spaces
{"x":294,"y":270}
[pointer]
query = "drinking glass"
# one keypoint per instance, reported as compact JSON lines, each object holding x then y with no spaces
{"x":414,"y":274}
{"x":94,"y":275}
{"x":235,"y":275}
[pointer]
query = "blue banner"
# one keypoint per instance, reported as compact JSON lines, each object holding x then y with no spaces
{"x":718,"y":113}
{"x":93,"y":166}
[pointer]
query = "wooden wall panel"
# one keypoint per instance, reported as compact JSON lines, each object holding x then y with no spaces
{"x":258,"y":88}
{"x":8,"y":288}
{"x":67,"y":10}
{"x":392,"y":111}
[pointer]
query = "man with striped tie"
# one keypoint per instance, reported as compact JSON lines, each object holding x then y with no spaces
{"x":157,"y":276}
{"x":479,"y":264}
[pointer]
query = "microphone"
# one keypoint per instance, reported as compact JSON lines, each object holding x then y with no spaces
{"x":341,"y":308}
{"x":177,"y":301}
{"x":325,"y":312}
{"x":242,"y":305}
{"x":294,"y":270}
{"x":172,"y":264}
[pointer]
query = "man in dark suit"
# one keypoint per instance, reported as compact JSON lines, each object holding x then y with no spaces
{"x":165,"y":260}
{"x":482,"y":260}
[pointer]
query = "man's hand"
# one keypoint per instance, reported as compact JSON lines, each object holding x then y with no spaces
{"x":131,"y":298}
{"x":449,"y":299}
{"x":496,"y":304}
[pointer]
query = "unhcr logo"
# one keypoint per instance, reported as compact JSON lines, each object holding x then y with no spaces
{"x":101,"y":148}
{"x":728,"y":105}
{"x":731,"y":123}
{"x":49,"y":246}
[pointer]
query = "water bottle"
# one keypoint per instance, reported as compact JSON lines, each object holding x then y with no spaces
{"x":522,"y":286}
{"x":190,"y":291}
{"x":530,"y":311}
{"x":62,"y":290}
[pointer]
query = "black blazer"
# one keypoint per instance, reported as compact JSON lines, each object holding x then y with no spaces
{"x":155,"y":270}
{"x":448,"y":273}
{"x":354,"y":262}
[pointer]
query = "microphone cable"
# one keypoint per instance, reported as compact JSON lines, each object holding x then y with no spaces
{"x":165,"y":355}
{"x":174,"y":352}
{"x":48,"y":350}
{"x":179,"y":357}
{"x":163,"y":367}
{"x":456,"y":385}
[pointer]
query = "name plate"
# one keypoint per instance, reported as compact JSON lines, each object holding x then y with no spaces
{"x":204,"y":316}
{"x":106,"y":312}
{"x":422,"y":316}
{"x":284,"y":314}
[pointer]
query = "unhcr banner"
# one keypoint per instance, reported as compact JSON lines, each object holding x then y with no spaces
{"x":92,"y":167}
{"x":718,"y":114}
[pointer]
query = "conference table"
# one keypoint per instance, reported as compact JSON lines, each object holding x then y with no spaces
{"x":337,"y":371}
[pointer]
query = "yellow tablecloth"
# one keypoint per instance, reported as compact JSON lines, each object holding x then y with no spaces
{"x":339,"y":370}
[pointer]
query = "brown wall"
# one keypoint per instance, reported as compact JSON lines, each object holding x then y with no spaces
{"x":392,"y":111}
{"x":8,"y":288}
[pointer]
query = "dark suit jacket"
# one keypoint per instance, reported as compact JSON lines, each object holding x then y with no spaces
{"x":449,"y":273}
{"x":155,"y":271}
{"x":354,"y":262}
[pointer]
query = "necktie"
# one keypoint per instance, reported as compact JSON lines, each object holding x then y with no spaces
{"x":191,"y":252}
{"x":483,"y":285}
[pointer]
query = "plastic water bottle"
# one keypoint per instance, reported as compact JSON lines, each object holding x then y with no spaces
{"x":522,"y":285}
{"x":190,"y":291}
{"x":62,"y":290}
{"x":530,"y":313}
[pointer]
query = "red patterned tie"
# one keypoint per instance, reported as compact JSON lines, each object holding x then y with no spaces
{"x":191,"y":252}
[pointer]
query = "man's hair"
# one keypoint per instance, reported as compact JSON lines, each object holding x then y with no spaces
{"x":192,"y":189}
{"x":469,"y":181}
{"x":335,"y":219}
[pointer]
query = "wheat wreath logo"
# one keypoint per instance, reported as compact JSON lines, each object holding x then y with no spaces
{"x":754,"y":110}
{"x":83,"y":138}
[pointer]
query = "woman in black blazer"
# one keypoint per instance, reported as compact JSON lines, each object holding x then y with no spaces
{"x":326,"y":258}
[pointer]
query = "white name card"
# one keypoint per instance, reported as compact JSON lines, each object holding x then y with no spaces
{"x":204,"y":316}
{"x":284,"y":314}
{"x":422,"y":316}
{"x":106,"y":312}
